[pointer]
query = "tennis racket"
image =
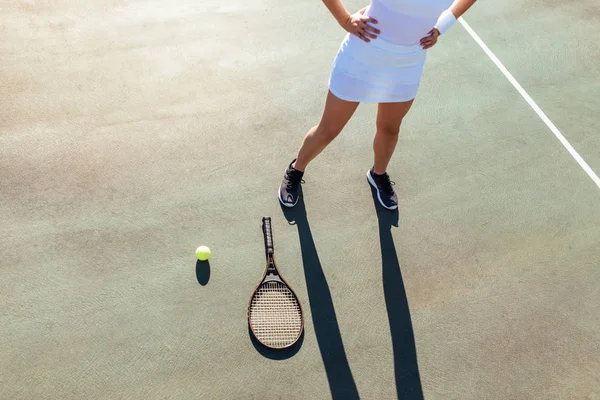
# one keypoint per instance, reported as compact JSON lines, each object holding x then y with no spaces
{"x":274,"y":313}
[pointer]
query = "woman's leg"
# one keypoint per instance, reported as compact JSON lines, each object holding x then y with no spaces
{"x":389,"y":119}
{"x":336,"y":114}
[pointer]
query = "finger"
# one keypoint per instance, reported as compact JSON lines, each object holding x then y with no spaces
{"x":362,"y":37}
{"x":368,"y":31}
{"x":368,"y":19}
{"x":372,"y":29}
{"x":365,"y":33}
{"x":366,"y":36}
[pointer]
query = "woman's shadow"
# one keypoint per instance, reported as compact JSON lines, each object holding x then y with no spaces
{"x":327,"y":331}
{"x":406,"y":368}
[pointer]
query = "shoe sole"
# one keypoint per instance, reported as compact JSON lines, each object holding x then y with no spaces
{"x":288,"y":205}
{"x":372,"y":182}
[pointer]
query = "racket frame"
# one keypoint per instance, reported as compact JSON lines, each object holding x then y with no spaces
{"x":270,"y":274}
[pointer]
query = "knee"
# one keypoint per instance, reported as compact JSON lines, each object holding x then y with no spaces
{"x":388,"y":129}
{"x":329,"y":132}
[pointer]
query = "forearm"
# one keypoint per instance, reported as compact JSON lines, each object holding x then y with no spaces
{"x":459,"y":7}
{"x":449,"y":17}
{"x":337,"y":9}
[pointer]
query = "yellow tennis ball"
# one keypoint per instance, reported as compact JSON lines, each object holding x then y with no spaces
{"x":203,"y":253}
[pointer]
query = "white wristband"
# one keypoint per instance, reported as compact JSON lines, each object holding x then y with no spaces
{"x":445,"y":22}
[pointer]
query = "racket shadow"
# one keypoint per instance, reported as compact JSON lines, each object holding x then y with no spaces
{"x":273,"y":354}
{"x":327,"y":331}
{"x":406,"y":368}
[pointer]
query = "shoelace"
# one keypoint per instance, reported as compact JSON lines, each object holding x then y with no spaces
{"x":293,"y":179}
{"x":386,"y":184}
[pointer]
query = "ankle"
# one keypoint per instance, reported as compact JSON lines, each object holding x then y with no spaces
{"x":297,"y":167}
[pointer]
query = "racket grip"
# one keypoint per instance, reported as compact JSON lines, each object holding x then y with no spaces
{"x":268,"y":234}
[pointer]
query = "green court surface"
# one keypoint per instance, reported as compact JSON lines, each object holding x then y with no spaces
{"x":131,"y":132}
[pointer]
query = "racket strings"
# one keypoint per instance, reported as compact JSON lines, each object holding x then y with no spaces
{"x":275,"y":315}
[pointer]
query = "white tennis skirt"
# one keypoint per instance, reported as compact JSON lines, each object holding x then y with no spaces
{"x":377,"y":71}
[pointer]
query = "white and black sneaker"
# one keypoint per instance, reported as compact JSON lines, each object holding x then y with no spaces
{"x":385,"y":192}
{"x":290,"y":185}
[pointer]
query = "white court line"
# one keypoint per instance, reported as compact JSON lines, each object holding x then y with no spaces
{"x":532,"y":103}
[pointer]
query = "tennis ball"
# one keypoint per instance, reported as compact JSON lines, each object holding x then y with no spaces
{"x":203,"y":253}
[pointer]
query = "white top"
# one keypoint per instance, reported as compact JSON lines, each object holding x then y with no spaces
{"x":405,"y":22}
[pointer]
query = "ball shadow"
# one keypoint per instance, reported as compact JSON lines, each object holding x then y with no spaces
{"x":202,"y":272}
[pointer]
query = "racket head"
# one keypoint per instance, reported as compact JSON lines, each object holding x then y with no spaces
{"x":275,"y":314}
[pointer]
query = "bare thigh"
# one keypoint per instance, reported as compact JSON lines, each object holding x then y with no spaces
{"x":390,"y":116}
{"x":336,"y":114}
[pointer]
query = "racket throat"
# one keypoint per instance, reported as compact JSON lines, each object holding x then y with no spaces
{"x":271,"y":268}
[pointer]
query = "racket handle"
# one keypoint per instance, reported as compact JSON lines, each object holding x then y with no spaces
{"x":268,"y":234}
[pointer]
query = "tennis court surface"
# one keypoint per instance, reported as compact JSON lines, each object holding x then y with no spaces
{"x":131,"y":132}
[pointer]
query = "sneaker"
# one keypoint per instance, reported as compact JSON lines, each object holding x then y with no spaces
{"x":385,"y":192}
{"x":288,"y":191}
